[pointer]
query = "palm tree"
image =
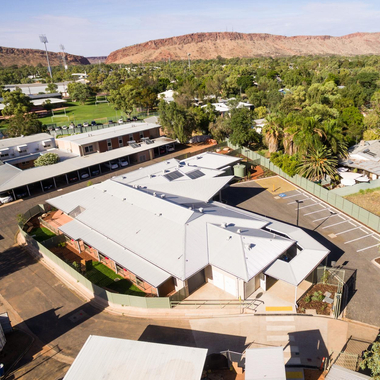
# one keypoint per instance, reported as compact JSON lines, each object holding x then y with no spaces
{"x":334,"y":139}
{"x":318,"y":164}
{"x":292,"y":126}
{"x":273,"y":132}
{"x":309,"y":135}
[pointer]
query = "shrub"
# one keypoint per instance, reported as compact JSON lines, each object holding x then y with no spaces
{"x":307,"y":299}
{"x":62,"y":244}
{"x":317,"y":296}
{"x":47,"y":159}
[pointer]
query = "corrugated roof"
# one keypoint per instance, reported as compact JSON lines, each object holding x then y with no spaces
{"x":140,"y":267}
{"x":265,"y":363}
{"x":108,"y":133}
{"x":340,"y":373}
{"x":114,"y":359}
{"x":8,"y":171}
{"x":28,"y":176}
{"x":210,"y":160}
{"x":16,"y":141}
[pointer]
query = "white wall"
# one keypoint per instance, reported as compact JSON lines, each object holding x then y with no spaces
{"x":225,"y":281}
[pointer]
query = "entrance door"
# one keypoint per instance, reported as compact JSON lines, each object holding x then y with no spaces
{"x":196,"y":281}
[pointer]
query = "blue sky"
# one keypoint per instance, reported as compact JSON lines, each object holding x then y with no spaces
{"x":98,"y":27}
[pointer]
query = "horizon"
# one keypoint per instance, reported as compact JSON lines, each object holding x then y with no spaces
{"x":96,"y":28}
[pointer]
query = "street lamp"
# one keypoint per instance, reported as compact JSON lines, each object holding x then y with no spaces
{"x":188,"y":57}
{"x":298,"y":209}
{"x":44,"y":40}
{"x":63,"y":56}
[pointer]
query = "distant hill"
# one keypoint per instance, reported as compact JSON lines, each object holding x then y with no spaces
{"x":32,"y":57}
{"x":94,"y":60}
{"x":232,"y":44}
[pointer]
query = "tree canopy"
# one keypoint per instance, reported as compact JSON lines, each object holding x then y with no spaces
{"x":47,"y":159}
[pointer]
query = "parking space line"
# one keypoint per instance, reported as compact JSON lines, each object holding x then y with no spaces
{"x":291,"y":203}
{"x":362,"y":237}
{"x":328,"y":216}
{"x":314,"y":204}
{"x":309,"y":213}
{"x":372,"y":246}
{"x":294,"y":195}
{"x":332,"y":225}
{"x":343,"y":232}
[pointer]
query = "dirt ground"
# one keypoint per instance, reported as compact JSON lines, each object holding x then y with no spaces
{"x":276,"y":185}
{"x":313,"y":374}
{"x":369,"y":201}
{"x":323,"y":308}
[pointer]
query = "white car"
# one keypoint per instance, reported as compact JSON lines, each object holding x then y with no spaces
{"x":85,"y":124}
{"x":113,"y":165}
{"x":5,"y":199}
{"x":123,"y":162}
{"x":120,"y":121}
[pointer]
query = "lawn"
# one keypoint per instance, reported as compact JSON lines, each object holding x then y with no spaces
{"x":104,"y":277}
{"x":368,"y":199}
{"x":40,"y":234}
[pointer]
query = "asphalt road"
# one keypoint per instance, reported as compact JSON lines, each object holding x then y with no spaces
{"x":352,"y":245}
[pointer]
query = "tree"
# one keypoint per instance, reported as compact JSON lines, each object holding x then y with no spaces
{"x":273,"y":132}
{"x":15,"y":102}
{"x":333,"y":138}
{"x":220,"y":128}
{"x":24,"y":124}
{"x":51,"y":88}
{"x":124,"y":98}
{"x":372,"y":360}
{"x":352,"y":119}
{"x":78,"y":91}
{"x":240,"y":125}
{"x":318,"y":164}
{"x":47,"y":159}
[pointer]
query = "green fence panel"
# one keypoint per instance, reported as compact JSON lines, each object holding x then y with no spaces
{"x":363,"y":215}
{"x":138,"y":302}
{"x":339,"y":202}
{"x":119,"y":299}
{"x":373,"y":221}
{"x":310,"y":186}
{"x":158,"y":302}
{"x":347,"y":206}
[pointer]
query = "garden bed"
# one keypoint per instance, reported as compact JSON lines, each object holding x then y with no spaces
{"x":313,"y":299}
{"x":368,"y":199}
{"x":41,"y":234}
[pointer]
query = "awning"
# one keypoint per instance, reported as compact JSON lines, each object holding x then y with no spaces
{"x":4,"y":150}
{"x":21,"y":146}
{"x":45,"y":142}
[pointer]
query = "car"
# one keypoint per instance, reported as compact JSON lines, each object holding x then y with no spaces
{"x":72,"y":179}
{"x":134,"y":118}
{"x":79,"y":125}
{"x":85,"y":124}
{"x":21,"y":195}
{"x":95,"y":172}
{"x":111,"y":165}
{"x":64,"y":127}
{"x":48,"y":187}
{"x":93,"y":123}
{"x":129,"y":120}
{"x":72,"y":126}
{"x":57,"y":128}
{"x":120,"y":121}
{"x":170,"y":149}
{"x":5,"y":199}
{"x":110,"y":122}
{"x":123,"y":162}
{"x":84,"y":175}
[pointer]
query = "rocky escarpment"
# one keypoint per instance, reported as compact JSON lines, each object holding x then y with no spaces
{"x":232,"y":44}
{"x":32,"y":57}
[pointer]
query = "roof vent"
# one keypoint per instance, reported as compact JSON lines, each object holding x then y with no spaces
{"x":163,"y":195}
{"x":190,"y":208}
{"x":154,"y":194}
{"x":224,"y":225}
{"x":239,"y":231}
{"x":201,"y":209}
{"x":168,"y":162}
{"x":124,"y":199}
{"x":248,"y":246}
{"x":229,"y":237}
{"x":104,"y":190}
{"x":198,"y":157}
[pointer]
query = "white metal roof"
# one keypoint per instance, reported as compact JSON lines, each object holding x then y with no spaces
{"x":340,"y":373}
{"x":109,"y":133}
{"x":115,"y":359}
{"x":265,"y":363}
{"x":210,"y":160}
{"x":40,"y":173}
{"x":17,"y":141}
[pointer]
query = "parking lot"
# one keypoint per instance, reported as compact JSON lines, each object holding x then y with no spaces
{"x":352,"y":244}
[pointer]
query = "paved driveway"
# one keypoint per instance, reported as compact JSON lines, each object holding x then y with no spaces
{"x":351,"y":244}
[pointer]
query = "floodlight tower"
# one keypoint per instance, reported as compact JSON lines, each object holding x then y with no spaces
{"x":44,"y":40}
{"x":63,"y":56}
{"x":188,"y":55}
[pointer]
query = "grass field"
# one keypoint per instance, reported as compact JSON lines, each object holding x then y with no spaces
{"x":368,"y":199}
{"x":104,"y":277}
{"x":41,"y":234}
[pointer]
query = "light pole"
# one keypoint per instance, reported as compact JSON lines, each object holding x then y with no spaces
{"x":63,"y":56}
{"x":298,"y":209}
{"x":44,"y":40}
{"x":188,"y":57}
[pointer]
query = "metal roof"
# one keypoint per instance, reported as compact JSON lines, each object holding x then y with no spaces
{"x":109,"y":133}
{"x":265,"y":363}
{"x":114,"y":359}
{"x":210,"y":160}
{"x":32,"y":175}
{"x":8,"y":171}
{"x":16,"y":141}
{"x":340,"y":373}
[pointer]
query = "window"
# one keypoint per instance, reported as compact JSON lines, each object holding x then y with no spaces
{"x":109,"y":144}
{"x":131,"y":137}
{"x":120,"y":142}
{"x":2,"y":155}
{"x":141,"y":135}
{"x":46,"y":145}
{"x":89,"y":149}
{"x":142,"y":158}
{"x":139,"y":281}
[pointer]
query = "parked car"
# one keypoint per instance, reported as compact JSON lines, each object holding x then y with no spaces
{"x":95,"y":172}
{"x":170,"y":149}
{"x":112,"y":165}
{"x":123,"y":162}
{"x":120,"y":121}
{"x":129,"y":120}
{"x":72,"y":179}
{"x":5,"y":199}
{"x":85,"y":124}
{"x":48,"y":187}
{"x":93,"y":123}
{"x":111,"y":122}
{"x":72,"y":126}
{"x":79,"y":125}
{"x":64,"y":127}
{"x":22,"y":194}
{"x":134,"y":118}
{"x":57,"y":128}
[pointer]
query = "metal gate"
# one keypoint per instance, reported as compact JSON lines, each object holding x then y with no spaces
{"x":196,"y":281}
